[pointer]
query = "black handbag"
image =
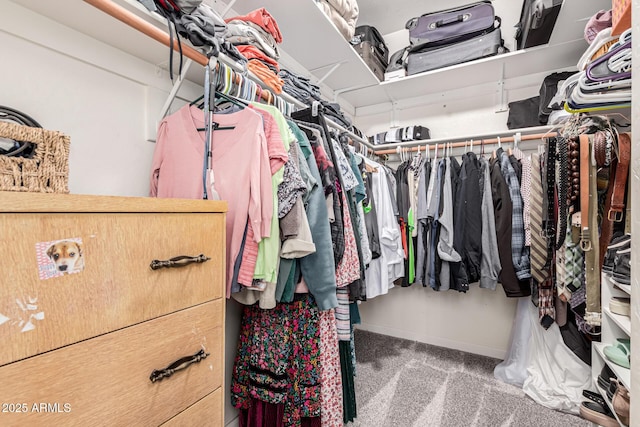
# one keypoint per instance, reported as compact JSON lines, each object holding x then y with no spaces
{"x":17,"y":148}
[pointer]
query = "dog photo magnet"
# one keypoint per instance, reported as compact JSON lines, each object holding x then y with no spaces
{"x":59,"y":257}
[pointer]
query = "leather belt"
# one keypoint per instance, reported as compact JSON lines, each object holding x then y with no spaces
{"x":615,"y":212}
{"x":600,"y":148}
{"x":593,"y":310}
{"x":585,"y":162}
{"x":606,"y":230}
{"x":614,"y":203}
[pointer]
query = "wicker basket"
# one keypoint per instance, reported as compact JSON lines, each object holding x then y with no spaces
{"x":46,"y":172}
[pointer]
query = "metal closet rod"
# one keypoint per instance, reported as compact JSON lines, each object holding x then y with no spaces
{"x":478,"y":140}
{"x":123,"y":15}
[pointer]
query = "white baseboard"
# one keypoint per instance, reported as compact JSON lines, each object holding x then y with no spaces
{"x":497,"y":353}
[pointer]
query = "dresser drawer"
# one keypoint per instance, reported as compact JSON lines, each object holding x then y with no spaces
{"x":116,"y":288}
{"x":105,"y":380}
{"x":206,"y":412}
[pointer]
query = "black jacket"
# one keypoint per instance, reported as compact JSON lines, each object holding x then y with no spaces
{"x":503,"y":211}
{"x":468,"y":217}
{"x":459,"y":280}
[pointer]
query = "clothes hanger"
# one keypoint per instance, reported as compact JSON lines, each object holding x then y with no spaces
{"x":517,"y":138}
{"x":588,"y":86}
{"x":576,"y":109}
{"x":619,"y":97}
{"x":599,"y":69}
{"x":237,"y":101}
{"x":197,"y":100}
{"x":621,"y":61}
{"x":493,"y":154}
{"x":215,"y":125}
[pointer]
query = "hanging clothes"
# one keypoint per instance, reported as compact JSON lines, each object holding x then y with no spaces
{"x":371,"y":215}
{"x":468,"y":225}
{"x":458,"y":275}
{"x":434,"y":215}
{"x":313,"y":267}
{"x":421,"y":220}
{"x":403,"y":203}
{"x":520,"y":253}
{"x":277,"y":360}
{"x":331,"y":411}
{"x":503,"y":208}
{"x":490,"y":266}
{"x":445,"y":241}
{"x":241,"y":153}
{"x":330,"y":177}
{"x":360,"y":194}
{"x":277,"y":159}
{"x":389,"y":266}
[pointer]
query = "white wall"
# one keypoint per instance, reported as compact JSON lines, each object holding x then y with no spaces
{"x":99,"y":96}
{"x":479,"y":321}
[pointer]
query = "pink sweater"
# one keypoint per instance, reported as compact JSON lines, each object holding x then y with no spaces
{"x":277,"y":158}
{"x":240,"y":162}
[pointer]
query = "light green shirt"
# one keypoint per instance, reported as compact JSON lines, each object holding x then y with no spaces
{"x":269,"y":248}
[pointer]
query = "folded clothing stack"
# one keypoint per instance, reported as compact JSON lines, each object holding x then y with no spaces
{"x":201,"y":25}
{"x":300,"y":87}
{"x":403,"y":134}
{"x":332,"y":110}
{"x":343,"y":14}
{"x":617,"y":260}
{"x":256,"y":35}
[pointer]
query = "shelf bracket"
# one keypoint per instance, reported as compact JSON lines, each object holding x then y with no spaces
{"x":338,"y":92}
{"x":394,"y":115}
{"x":502,"y":98}
{"x":174,"y":90}
{"x":328,"y":73}
{"x":228,"y":8}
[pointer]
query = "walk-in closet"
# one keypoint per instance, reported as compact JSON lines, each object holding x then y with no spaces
{"x":318,"y":213}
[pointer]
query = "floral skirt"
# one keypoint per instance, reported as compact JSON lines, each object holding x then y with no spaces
{"x":278,"y":360}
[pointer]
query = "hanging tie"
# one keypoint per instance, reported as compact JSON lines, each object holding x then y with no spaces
{"x":546,"y":293}
{"x":538,"y":240}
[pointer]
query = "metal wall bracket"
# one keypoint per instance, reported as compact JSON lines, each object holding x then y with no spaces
{"x":501,"y":94}
{"x":328,"y":73}
{"x":174,"y":90}
{"x":394,"y":115}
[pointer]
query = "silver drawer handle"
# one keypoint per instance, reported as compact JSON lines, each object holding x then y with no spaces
{"x":179,"y":261}
{"x":178,"y":365}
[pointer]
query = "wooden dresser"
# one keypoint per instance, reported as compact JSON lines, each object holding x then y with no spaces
{"x":89,"y":348}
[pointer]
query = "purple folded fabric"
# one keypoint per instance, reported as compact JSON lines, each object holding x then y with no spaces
{"x":598,"y":22}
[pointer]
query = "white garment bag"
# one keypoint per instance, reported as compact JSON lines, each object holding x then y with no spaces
{"x":555,"y":376}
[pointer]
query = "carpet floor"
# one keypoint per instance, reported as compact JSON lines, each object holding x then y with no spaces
{"x":402,"y":383}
